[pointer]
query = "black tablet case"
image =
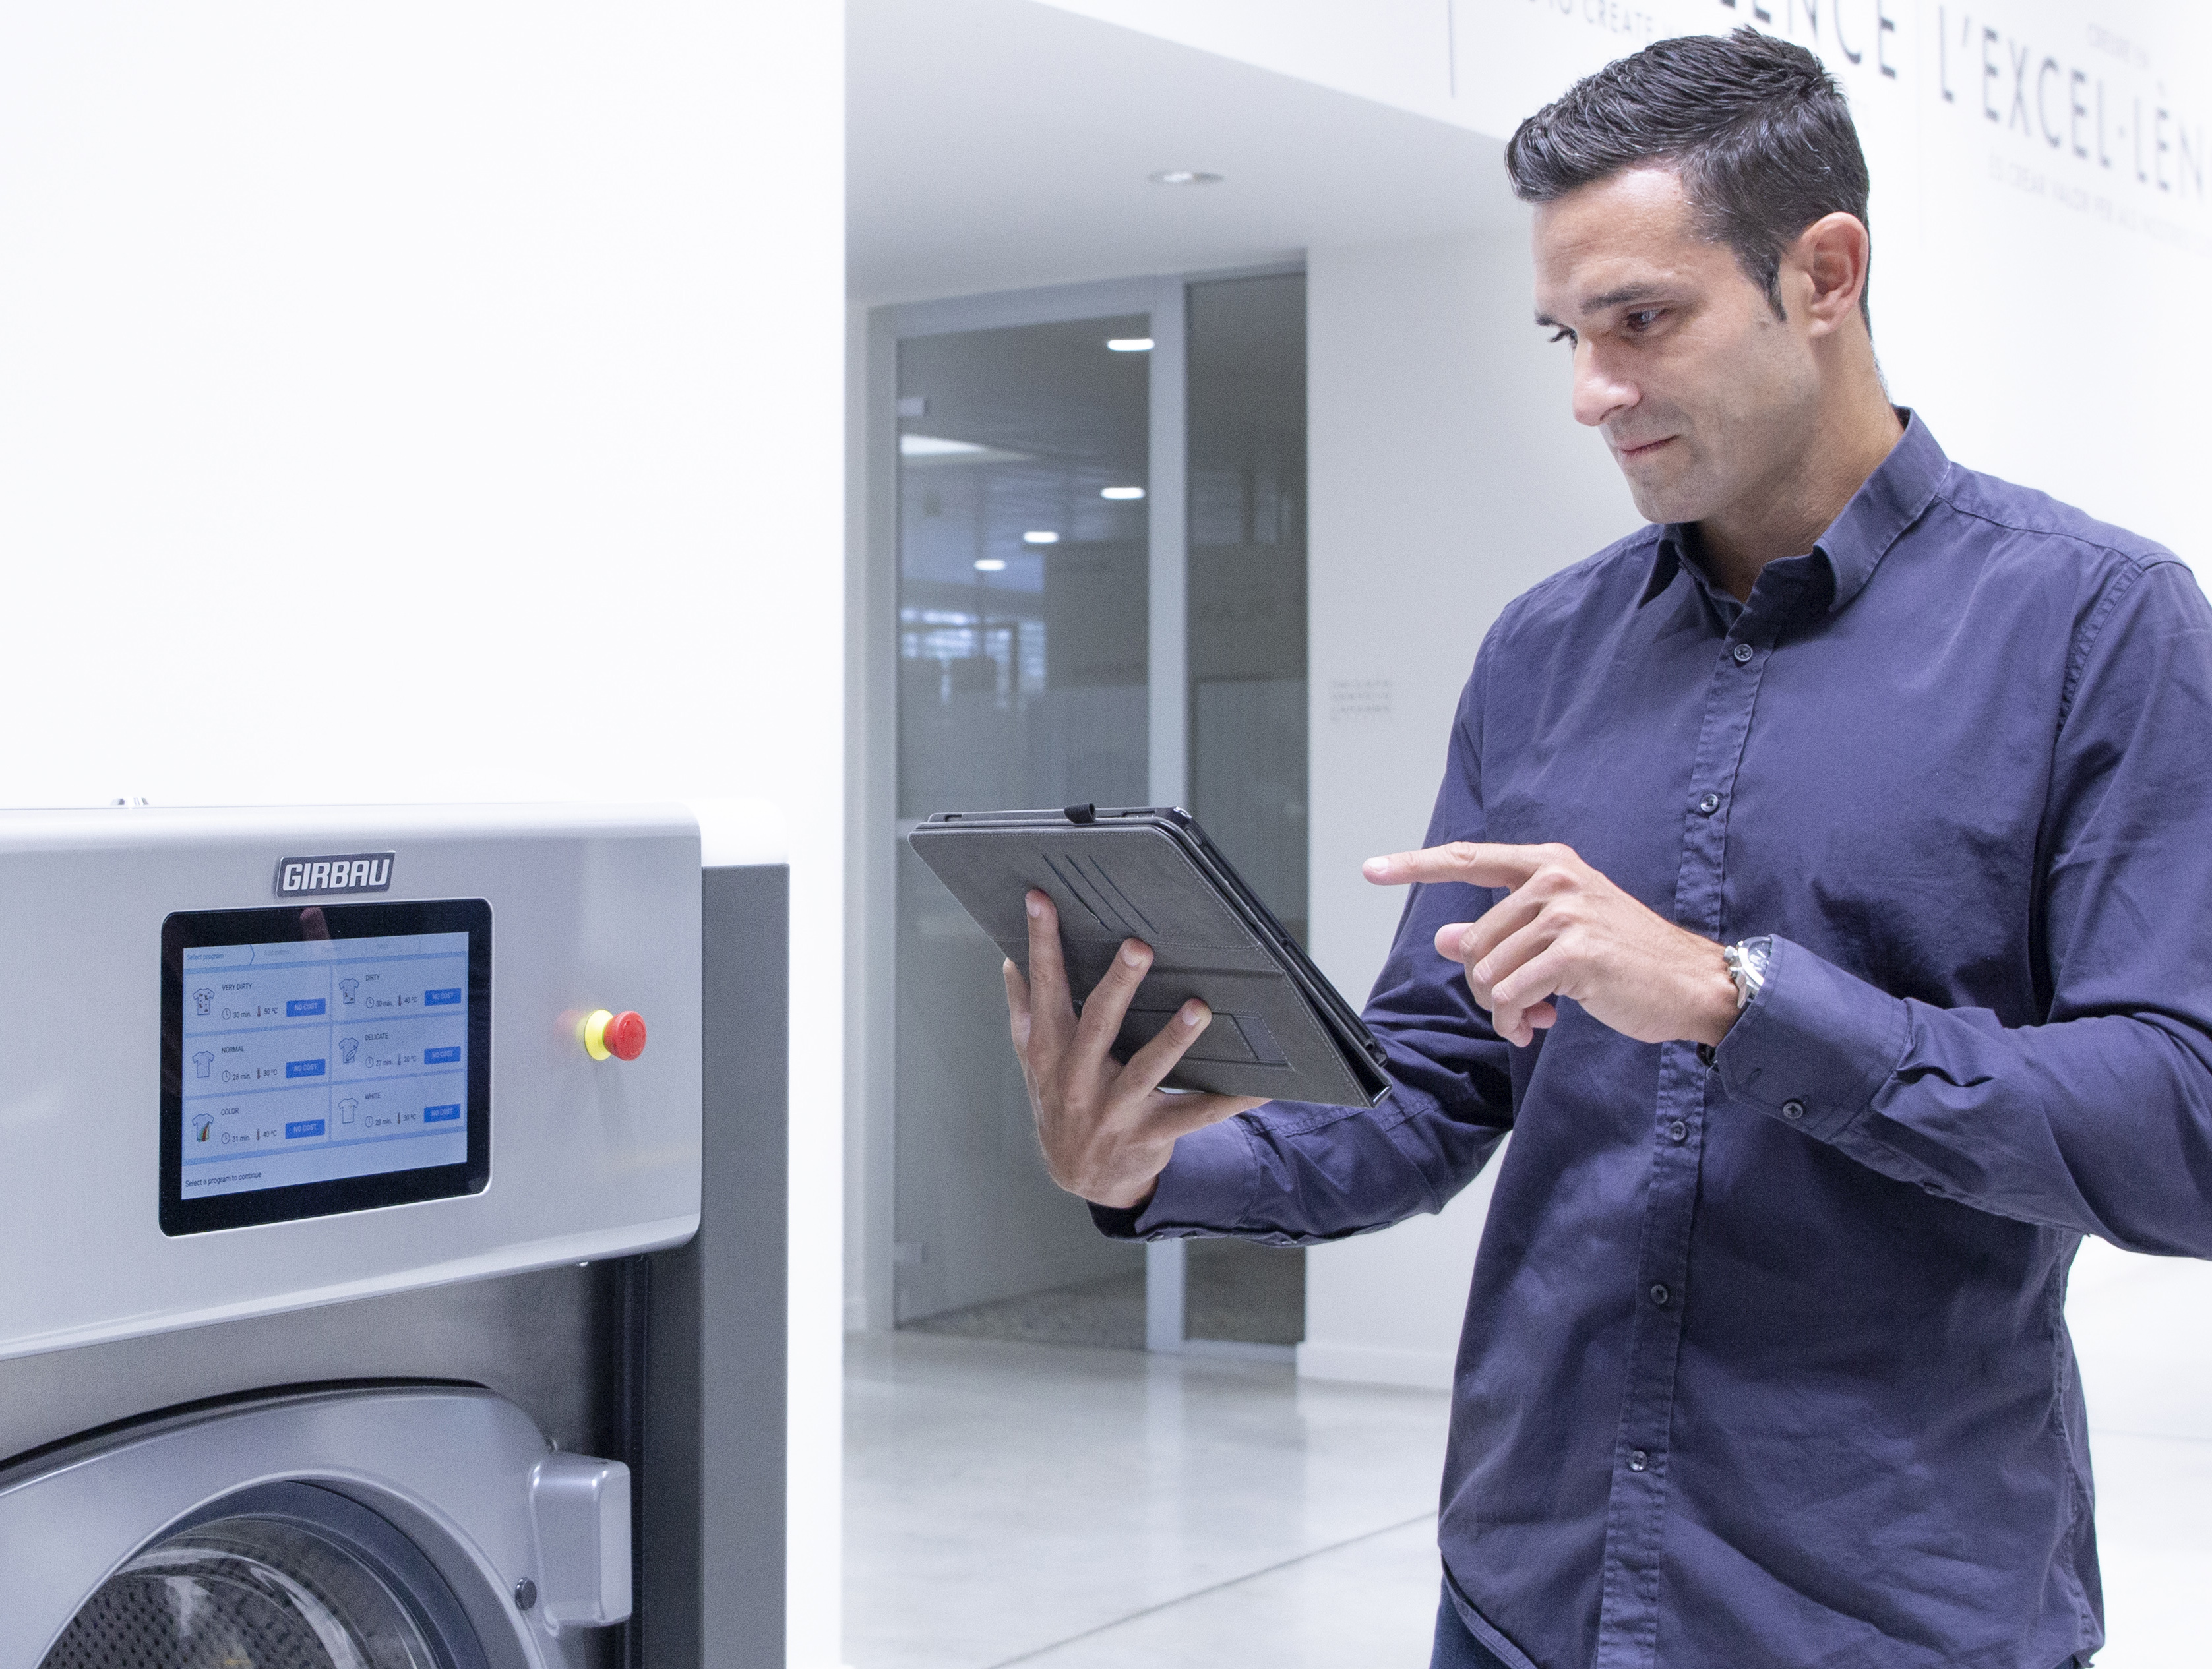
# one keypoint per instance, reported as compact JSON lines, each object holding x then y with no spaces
{"x":1130,"y":875}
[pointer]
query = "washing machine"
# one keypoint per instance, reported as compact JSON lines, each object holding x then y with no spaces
{"x":392,"y":1263}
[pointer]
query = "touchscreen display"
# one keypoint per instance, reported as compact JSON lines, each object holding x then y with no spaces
{"x":306,"y":1063}
{"x":322,"y":1059}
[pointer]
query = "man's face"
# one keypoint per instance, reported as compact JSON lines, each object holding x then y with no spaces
{"x":1706,"y":400}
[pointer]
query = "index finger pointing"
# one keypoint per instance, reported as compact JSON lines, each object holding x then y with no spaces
{"x":1477,"y":863}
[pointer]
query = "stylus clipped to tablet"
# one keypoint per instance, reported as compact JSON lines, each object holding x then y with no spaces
{"x":1280,"y":1029}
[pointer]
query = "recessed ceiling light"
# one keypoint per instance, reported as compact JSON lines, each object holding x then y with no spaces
{"x":990,"y":565}
{"x":936,"y":446}
{"x":1121,"y":492}
{"x":1185,"y":177}
{"x":1041,"y":537}
{"x":1130,"y":344}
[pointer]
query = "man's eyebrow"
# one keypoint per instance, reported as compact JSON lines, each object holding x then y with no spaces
{"x":1622,"y":298}
{"x":1619,"y":298}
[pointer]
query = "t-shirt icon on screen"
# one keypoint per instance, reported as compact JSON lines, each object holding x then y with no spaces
{"x":201,"y":1125}
{"x":347,"y":1046}
{"x":346,"y":989}
{"x":201,"y":999}
{"x":201,"y":1062}
{"x":346,"y":1109}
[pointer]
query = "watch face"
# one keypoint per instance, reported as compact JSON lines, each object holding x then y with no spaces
{"x":1747,"y":966}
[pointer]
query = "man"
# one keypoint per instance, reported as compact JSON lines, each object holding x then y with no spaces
{"x":1818,"y":891}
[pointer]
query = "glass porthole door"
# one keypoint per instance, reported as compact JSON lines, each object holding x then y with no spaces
{"x":265,"y":1589}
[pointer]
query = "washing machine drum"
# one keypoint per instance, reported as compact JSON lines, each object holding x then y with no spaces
{"x":266,"y":1588}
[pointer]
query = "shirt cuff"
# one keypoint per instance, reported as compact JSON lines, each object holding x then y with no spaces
{"x":1204,"y":1190}
{"x":1115,"y":1222}
{"x":1816,"y":1044}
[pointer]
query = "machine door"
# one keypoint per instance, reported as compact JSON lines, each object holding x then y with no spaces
{"x":287,"y":1576}
{"x":423,"y":1528}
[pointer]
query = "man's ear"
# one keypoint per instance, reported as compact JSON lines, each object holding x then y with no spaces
{"x":1830,"y":258}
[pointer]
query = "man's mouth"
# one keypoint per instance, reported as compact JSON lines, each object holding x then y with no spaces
{"x":1645,"y":450}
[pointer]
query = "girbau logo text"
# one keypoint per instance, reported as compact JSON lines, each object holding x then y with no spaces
{"x":340,"y":872}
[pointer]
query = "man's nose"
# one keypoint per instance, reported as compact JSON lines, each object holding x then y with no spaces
{"x":1599,"y":394}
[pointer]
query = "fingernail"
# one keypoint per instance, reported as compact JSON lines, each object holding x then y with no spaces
{"x":1193,"y":1013}
{"x":1132,"y":956}
{"x":1376,"y":866}
{"x":1036,"y":905}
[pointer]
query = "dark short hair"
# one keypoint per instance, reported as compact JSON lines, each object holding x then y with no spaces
{"x":1757,"y":129}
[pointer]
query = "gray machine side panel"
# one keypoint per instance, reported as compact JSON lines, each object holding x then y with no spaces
{"x":524,"y":1335}
{"x":711,"y":1547}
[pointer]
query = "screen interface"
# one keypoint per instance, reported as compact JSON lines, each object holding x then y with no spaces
{"x":311,"y":1062}
{"x":324,"y":1059}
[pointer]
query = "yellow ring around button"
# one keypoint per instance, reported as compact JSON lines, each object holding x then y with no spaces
{"x":595,"y":1034}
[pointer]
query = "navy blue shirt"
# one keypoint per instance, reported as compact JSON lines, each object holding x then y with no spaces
{"x":1765,"y":1360}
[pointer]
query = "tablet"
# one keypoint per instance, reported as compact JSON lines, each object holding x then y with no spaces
{"x":1280,"y":1029}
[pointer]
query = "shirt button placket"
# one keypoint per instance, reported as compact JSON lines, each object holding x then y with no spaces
{"x":1628,"y":1612}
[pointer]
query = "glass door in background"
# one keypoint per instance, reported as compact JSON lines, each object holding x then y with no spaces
{"x":1101,"y":582}
{"x":1022,"y":640}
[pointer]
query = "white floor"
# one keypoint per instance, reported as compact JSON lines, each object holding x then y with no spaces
{"x":1070,"y":1509}
{"x":2142,"y":1328}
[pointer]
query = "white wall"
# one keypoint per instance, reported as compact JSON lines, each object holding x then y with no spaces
{"x":2031,"y":297}
{"x":421,"y":402}
{"x":1446,"y":479}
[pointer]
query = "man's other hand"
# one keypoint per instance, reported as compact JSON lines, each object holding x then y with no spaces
{"x":1566,"y":931}
{"x":1107,"y":1127}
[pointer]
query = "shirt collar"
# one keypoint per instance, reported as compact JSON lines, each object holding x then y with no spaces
{"x":1890,"y":501}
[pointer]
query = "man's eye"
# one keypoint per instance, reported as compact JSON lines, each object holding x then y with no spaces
{"x":1644,"y":318}
{"x":1563,"y":334}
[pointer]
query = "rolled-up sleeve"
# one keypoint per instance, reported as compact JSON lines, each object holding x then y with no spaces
{"x":2099,"y":1119}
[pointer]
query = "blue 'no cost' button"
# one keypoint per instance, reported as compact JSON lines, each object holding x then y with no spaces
{"x":443,"y":998}
{"x":438,"y":1114}
{"x":304,"y":1068}
{"x":294,"y":1131}
{"x":441,"y":1057}
{"x":300,"y":1005}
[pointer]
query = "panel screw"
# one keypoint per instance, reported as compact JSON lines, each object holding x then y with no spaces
{"x":525,"y":1594}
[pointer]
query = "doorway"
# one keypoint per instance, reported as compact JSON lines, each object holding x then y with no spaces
{"x":1099,"y":588}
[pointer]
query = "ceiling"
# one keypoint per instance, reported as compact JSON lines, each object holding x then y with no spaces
{"x":997,"y":144}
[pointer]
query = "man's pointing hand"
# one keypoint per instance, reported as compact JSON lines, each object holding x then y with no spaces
{"x":1563,"y":929}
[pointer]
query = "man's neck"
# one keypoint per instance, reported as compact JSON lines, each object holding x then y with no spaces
{"x":1788,"y":518}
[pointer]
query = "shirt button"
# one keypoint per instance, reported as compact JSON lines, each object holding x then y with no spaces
{"x":1793,"y":1110}
{"x":1742,"y":652}
{"x":1659,"y":1296}
{"x":1678,"y":1131}
{"x":1710,"y":804}
{"x":1637,"y":1460}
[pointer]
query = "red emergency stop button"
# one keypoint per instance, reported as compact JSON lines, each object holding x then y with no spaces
{"x":626,"y":1035}
{"x":610,"y":1035}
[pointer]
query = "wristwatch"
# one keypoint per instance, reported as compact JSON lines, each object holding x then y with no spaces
{"x":1747,"y":965}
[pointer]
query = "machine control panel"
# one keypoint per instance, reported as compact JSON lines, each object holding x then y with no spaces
{"x":244,"y":1081}
{"x":322,"y":1058}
